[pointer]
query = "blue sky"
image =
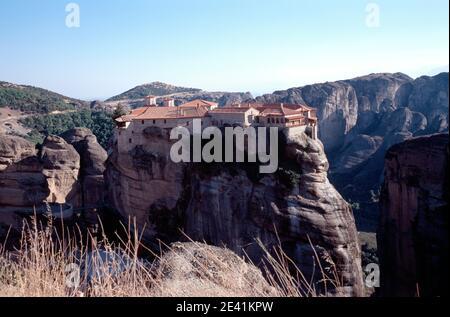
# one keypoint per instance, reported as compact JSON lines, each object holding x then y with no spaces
{"x":234,"y":45}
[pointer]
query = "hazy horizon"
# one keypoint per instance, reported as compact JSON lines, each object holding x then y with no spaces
{"x":433,"y":72}
{"x":235,"y":45}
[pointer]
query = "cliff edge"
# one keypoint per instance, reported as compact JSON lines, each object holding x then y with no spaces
{"x":234,"y":205}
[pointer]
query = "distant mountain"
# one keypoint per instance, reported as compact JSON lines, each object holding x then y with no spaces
{"x":156,"y":88}
{"x":360,"y":118}
{"x":135,"y":97}
{"x":35,"y":100}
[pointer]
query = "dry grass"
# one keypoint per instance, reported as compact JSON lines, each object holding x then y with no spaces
{"x":46,"y":265}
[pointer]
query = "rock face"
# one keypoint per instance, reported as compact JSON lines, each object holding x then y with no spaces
{"x":233,"y":205}
{"x":413,"y":234}
{"x":359,"y":119}
{"x":61,"y":166}
{"x":14,"y":149}
{"x":22,"y":182}
{"x":92,"y":161}
{"x":30,"y":177}
{"x":55,"y":173}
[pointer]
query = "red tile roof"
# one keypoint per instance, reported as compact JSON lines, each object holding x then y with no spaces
{"x":171,"y":113}
{"x":134,"y":113}
{"x":199,"y":108}
{"x":154,"y":113}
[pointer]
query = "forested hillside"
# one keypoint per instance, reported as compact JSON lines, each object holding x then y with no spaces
{"x":33,"y":99}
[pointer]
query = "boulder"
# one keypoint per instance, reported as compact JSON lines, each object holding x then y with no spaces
{"x":14,"y":149}
{"x":196,"y":269}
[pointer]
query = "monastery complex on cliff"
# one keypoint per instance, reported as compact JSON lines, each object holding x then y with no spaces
{"x":284,"y":116}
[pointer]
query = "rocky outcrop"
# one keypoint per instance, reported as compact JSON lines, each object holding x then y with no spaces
{"x":429,"y":96}
{"x":233,"y":205}
{"x":61,"y":166}
{"x":195,"y":269}
{"x":413,"y":233}
{"x":92,"y":161}
{"x":359,"y":119}
{"x":92,"y":154}
{"x":31,"y":176}
{"x":22,"y":182}
{"x":56,"y":173}
{"x":380,"y":92}
{"x":14,"y":149}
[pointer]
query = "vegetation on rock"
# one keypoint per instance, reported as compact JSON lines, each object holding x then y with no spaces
{"x":99,"y":122}
{"x":155,"y":88}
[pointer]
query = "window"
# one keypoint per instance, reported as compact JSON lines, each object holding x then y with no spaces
{"x":154,"y":121}
{"x":165,"y":121}
{"x":130,"y":140}
{"x":143,"y":122}
{"x":278,"y":120}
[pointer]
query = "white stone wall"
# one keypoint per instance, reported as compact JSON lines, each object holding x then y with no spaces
{"x":122,"y":136}
{"x":295,"y":130}
{"x":135,"y":131}
{"x":241,"y":118}
{"x":302,"y":129}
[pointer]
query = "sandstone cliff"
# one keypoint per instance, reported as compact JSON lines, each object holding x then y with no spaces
{"x":413,"y":233}
{"x":55,"y":173}
{"x":233,"y":205}
{"x":360,"y":118}
{"x":90,"y":178}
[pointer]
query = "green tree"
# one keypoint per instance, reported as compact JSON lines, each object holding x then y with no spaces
{"x":99,"y":122}
{"x":120,"y":110}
